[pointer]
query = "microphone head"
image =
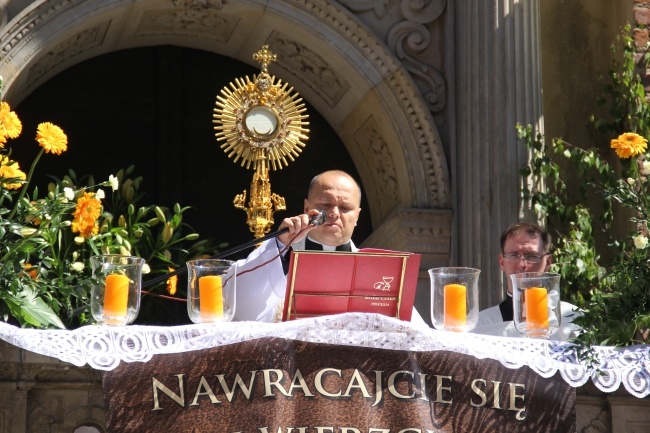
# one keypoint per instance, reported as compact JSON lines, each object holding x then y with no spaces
{"x":319,"y":219}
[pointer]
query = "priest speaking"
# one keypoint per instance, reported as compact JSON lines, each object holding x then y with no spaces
{"x":260,"y":291}
{"x":261,"y":277}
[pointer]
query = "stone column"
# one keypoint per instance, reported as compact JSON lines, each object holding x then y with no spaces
{"x":497,"y":74}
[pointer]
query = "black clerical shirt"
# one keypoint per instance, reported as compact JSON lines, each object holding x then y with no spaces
{"x":506,"y":308}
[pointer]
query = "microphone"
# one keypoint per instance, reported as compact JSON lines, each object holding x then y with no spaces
{"x":319,"y":219}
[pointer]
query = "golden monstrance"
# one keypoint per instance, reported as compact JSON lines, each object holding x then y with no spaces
{"x":263,"y":123}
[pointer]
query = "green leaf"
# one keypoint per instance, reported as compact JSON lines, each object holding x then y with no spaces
{"x":31,"y":309}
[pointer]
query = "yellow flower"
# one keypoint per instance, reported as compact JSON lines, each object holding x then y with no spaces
{"x":86,"y":214}
{"x":10,"y":170}
{"x":51,"y":138}
{"x":172,"y":282}
{"x":10,"y":126}
{"x":629,"y":144}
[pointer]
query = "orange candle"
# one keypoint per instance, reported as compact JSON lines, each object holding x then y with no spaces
{"x":455,"y":305}
{"x":116,"y":295}
{"x":211,"y":297}
{"x":536,"y":308}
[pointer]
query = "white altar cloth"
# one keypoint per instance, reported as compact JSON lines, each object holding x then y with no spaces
{"x":104,"y":347}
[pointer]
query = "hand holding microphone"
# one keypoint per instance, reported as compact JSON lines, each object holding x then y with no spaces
{"x":318,"y":219}
{"x":296,"y":228}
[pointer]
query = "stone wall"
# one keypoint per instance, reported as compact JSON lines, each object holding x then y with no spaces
{"x":642,"y":38}
{"x":39,"y":394}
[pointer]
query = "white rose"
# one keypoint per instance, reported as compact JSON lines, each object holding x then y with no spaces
{"x":640,"y":242}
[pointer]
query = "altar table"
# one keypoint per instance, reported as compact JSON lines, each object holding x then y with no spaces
{"x":113,"y":348}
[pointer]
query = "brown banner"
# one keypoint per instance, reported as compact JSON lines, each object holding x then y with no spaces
{"x":273,"y":385}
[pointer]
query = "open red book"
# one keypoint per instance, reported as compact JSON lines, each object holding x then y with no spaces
{"x":367,"y":281}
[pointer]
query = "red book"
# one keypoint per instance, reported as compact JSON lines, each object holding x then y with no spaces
{"x":367,"y":281}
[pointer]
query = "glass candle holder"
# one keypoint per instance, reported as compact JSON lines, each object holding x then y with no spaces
{"x":116,"y":288}
{"x":211,"y":290}
{"x":454,"y":298}
{"x":536,"y":303}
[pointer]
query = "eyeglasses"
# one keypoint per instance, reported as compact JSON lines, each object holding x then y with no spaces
{"x":528,"y":258}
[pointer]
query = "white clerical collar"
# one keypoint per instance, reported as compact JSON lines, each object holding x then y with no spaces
{"x":325,"y":247}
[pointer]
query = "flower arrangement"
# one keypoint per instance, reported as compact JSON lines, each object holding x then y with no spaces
{"x":600,"y":225}
{"x":46,"y":240}
{"x":612,"y":292}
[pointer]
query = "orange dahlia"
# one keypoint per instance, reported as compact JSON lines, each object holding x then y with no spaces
{"x":86,"y":214}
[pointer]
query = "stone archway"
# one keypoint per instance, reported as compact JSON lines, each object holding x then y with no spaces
{"x":327,"y":55}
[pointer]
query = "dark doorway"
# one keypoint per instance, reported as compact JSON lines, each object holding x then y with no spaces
{"x":152,"y":108}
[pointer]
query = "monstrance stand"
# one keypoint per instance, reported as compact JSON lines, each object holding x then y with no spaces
{"x":263,"y":123}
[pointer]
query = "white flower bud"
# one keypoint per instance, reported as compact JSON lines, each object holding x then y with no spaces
{"x":115,"y":183}
{"x":645,"y":168}
{"x":27,"y":231}
{"x":69,"y":193}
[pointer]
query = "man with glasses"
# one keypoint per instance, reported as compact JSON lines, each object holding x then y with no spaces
{"x":525,"y":247}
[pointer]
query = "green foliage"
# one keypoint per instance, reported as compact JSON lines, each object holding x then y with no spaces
{"x":154,"y":233}
{"x":38,"y":240}
{"x":613,"y":294}
{"x":574,"y":255}
{"x":625,"y":93}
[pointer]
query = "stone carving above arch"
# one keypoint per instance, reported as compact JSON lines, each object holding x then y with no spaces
{"x":377,"y":152}
{"x":207,"y":22}
{"x":406,"y":27}
{"x":84,"y":41}
{"x":324,"y":80}
{"x":407,"y":37}
{"x":199,"y":4}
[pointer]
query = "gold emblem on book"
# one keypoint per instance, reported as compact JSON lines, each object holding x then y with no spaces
{"x":384,"y":285}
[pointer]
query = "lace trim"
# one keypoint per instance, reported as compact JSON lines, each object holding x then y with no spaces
{"x":104,"y":347}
